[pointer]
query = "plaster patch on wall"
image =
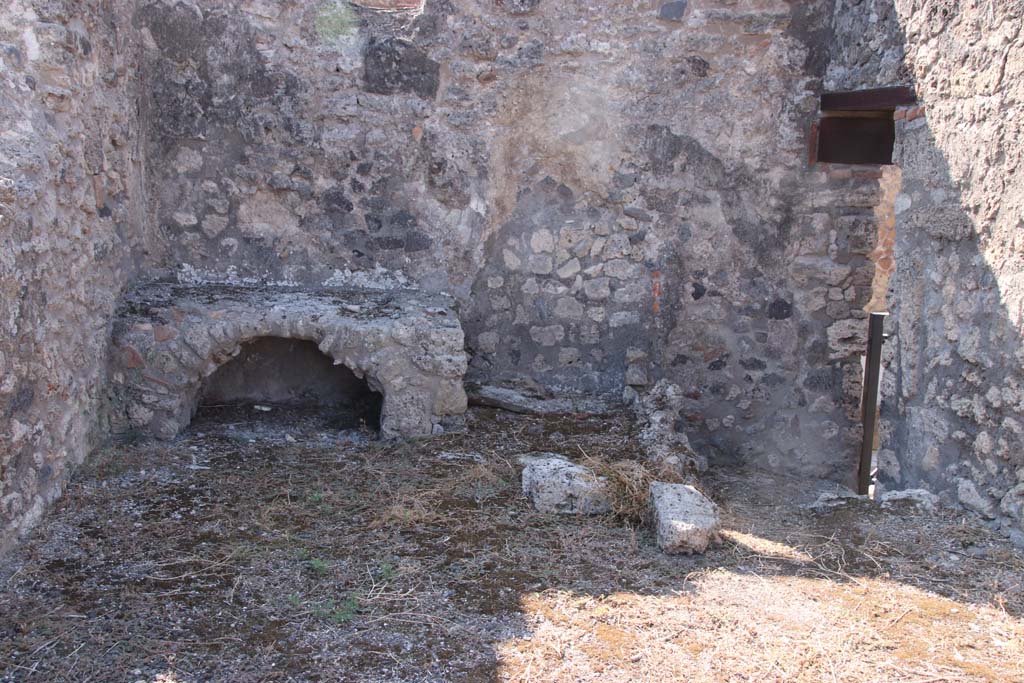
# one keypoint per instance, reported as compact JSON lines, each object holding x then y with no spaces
{"x":28,"y":36}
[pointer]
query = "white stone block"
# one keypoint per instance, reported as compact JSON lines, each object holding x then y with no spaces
{"x":554,"y":484}
{"x":685,"y":519}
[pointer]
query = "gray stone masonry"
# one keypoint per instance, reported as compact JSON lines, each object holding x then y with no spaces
{"x":614,"y":193}
{"x":953,"y":396}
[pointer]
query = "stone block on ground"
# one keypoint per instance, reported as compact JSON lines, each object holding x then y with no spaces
{"x":919,"y":497}
{"x":464,"y":457}
{"x":554,"y":484}
{"x":516,"y":401}
{"x":833,"y":498}
{"x":685,"y":520}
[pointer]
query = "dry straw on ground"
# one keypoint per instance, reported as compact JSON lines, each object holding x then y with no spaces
{"x":629,"y":483}
{"x":297,"y":560}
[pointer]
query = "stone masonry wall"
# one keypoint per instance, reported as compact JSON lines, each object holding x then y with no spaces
{"x":70,"y":218}
{"x":614,"y":191}
{"x":868,"y":50}
{"x":953,"y":405}
{"x":958,"y":413}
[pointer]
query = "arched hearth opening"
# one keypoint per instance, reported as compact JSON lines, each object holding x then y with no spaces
{"x":170,"y":341}
{"x":284,"y":374}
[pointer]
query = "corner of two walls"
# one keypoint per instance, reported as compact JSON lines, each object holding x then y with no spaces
{"x":615,"y":195}
{"x":958,"y":393}
{"x":71,"y":217}
{"x":953,"y":399}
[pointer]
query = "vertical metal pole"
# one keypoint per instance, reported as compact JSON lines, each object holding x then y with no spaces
{"x":869,"y":399}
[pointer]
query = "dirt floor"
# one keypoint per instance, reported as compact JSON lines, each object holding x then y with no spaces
{"x":270,"y":547}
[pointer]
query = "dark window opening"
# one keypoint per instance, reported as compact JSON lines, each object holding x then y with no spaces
{"x":858,"y":127}
{"x":277,"y":378}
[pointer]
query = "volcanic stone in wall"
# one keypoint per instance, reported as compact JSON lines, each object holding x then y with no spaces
{"x":393,"y":66}
{"x":408,"y":346}
{"x":68,"y":84}
{"x":673,"y":11}
{"x":519,"y":6}
{"x":206,"y":73}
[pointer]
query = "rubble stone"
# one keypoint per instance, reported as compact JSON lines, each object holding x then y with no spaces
{"x":957,"y":283}
{"x":921,"y":497}
{"x":658,"y":412}
{"x":555,"y":485}
{"x":349,"y":146}
{"x":517,"y":401}
{"x":685,"y":520}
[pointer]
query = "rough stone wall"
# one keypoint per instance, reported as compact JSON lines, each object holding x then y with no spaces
{"x":953,"y":405}
{"x":70,"y":217}
{"x":867,"y":51}
{"x":868,"y":46}
{"x":958,"y":414}
{"x":310,"y":143}
{"x":615,"y":191}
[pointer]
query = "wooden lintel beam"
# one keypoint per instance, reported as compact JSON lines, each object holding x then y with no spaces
{"x":869,"y":100}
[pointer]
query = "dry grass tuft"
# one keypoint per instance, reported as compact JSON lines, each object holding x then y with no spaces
{"x":630,"y":482}
{"x":406,"y":511}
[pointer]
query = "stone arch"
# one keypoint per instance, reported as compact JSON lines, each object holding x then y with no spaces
{"x":291,"y":374}
{"x":169,"y":339}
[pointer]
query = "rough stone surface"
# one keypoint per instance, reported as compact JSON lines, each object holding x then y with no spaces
{"x":169,"y":338}
{"x":685,"y":520}
{"x":658,"y":414}
{"x":529,"y":158}
{"x":71,"y":231}
{"x":839,"y":496}
{"x":392,"y":66}
{"x":960,"y":276}
{"x":613,"y":193}
{"x":673,"y":11}
{"x":868,"y":45}
{"x":953,"y":405}
{"x":921,"y":497}
{"x":699,"y":236}
{"x":461,"y":457}
{"x":522,"y":155}
{"x":517,"y":401}
{"x":555,"y":485}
